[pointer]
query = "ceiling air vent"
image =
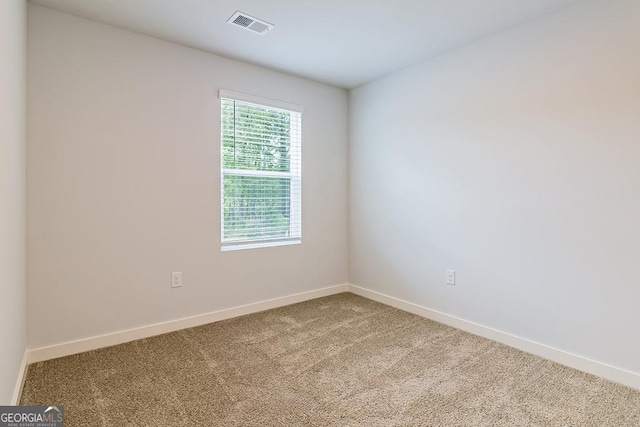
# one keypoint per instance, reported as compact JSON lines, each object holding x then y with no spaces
{"x":250,"y":23}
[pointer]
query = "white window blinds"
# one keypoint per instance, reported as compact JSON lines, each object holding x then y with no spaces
{"x":261,"y":172}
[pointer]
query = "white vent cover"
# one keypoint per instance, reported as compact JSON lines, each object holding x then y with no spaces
{"x":250,"y":23}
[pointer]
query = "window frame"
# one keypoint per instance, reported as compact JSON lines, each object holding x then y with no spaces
{"x":294,"y":174}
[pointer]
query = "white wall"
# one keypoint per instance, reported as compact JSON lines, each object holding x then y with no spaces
{"x":13,"y":320}
{"x":124,"y":187}
{"x":515,"y":162}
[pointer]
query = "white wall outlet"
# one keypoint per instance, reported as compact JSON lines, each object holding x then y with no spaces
{"x":451,"y":277}
{"x":176,"y":279}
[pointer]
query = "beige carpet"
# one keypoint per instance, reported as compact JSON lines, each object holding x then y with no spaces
{"x":336,"y":361}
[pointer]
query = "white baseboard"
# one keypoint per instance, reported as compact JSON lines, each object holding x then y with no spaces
{"x":622,"y":376}
{"x":22,"y":376}
{"x":93,"y":343}
{"x":571,"y":360}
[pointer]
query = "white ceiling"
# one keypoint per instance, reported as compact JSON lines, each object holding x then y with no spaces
{"x":342,"y":42}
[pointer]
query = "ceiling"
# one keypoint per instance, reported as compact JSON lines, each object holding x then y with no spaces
{"x":341,"y":42}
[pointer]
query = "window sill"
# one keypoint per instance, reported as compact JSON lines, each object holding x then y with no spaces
{"x":256,"y":245}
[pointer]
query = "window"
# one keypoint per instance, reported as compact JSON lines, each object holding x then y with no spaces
{"x":261,"y":172}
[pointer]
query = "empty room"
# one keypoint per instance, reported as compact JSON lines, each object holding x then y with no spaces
{"x":320,"y":213}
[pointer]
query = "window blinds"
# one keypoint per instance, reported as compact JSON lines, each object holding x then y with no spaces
{"x":261,"y":172}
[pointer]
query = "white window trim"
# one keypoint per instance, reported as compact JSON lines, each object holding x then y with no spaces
{"x":294,"y":175}
{"x":281,"y":105}
{"x":259,"y":244}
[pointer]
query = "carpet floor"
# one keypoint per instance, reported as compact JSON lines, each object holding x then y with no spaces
{"x":341,"y":360}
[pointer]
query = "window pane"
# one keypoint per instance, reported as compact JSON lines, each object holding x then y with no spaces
{"x":255,"y":137}
{"x":261,"y":173}
{"x":256,"y":208}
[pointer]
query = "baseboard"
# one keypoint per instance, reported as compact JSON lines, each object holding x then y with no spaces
{"x":622,"y":376}
{"x":628,"y":378}
{"x":22,"y":376}
{"x":93,"y":343}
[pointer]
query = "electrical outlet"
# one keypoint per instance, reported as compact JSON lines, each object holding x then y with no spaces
{"x":176,"y":279}
{"x":451,"y":277}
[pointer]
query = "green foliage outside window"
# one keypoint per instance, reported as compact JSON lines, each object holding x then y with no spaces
{"x":256,"y":152}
